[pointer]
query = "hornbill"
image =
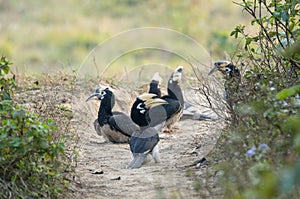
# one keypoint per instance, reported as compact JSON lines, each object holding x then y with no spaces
{"x":175,"y":100}
{"x":115,"y":127}
{"x":232,"y":78}
{"x":154,"y":86}
{"x":147,"y":112}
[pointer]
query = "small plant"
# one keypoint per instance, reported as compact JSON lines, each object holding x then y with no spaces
{"x":7,"y":85}
{"x":260,"y":147}
{"x":31,"y":161}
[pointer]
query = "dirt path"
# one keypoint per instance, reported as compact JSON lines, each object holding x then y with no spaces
{"x":191,"y":141}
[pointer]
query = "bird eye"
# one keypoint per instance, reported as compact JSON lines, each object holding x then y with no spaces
{"x":179,"y":70}
{"x":140,"y":106}
{"x":103,"y":93}
{"x":228,"y":70}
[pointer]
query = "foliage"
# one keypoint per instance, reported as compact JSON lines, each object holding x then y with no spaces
{"x":7,"y":85}
{"x":31,"y":162}
{"x":261,"y":145}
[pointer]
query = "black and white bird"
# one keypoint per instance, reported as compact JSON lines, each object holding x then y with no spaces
{"x":147,"y":112}
{"x":154,"y":86}
{"x":115,"y":127}
{"x":227,"y":69}
{"x":174,"y":107}
{"x":232,"y":78}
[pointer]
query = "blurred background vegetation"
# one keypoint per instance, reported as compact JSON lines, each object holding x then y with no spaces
{"x":43,"y":36}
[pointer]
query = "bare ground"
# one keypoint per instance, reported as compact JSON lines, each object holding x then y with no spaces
{"x":102,"y":169}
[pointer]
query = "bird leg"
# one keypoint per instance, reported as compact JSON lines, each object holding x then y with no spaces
{"x":168,"y":129}
{"x":155,"y":154}
{"x":138,"y":160}
{"x":148,"y":158}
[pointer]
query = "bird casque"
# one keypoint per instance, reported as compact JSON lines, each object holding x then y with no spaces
{"x":232,"y":78}
{"x":147,"y":112}
{"x":115,"y":127}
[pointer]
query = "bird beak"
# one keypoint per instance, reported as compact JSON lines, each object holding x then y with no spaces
{"x":213,"y":70}
{"x":98,"y":95}
{"x":146,"y":96}
{"x":177,"y":74}
{"x":219,"y":65}
{"x":151,"y":103}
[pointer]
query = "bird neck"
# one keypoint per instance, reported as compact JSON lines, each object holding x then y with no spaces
{"x":154,"y":88}
{"x":102,"y":117}
{"x":174,"y":92}
{"x":105,"y":111}
{"x":232,"y":80}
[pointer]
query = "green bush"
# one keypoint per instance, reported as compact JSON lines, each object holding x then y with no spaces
{"x":31,"y":162}
{"x":7,"y":85}
{"x":261,"y":144}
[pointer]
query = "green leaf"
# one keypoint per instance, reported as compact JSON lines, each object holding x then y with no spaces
{"x":16,"y":142}
{"x":276,"y":14}
{"x":5,"y":69}
{"x":19,"y":114}
{"x":297,"y":143}
{"x":272,"y":33}
{"x":285,"y":16}
{"x":44,"y":144}
{"x":248,"y":4}
{"x":285,"y":93}
{"x":237,"y":30}
{"x":248,"y":40}
{"x":293,"y":125}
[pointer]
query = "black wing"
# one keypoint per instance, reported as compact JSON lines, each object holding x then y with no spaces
{"x":122,"y":123}
{"x":145,"y":141}
{"x":157,"y":115}
{"x":172,"y":107}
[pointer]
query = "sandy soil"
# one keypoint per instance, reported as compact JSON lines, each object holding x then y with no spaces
{"x":102,"y":169}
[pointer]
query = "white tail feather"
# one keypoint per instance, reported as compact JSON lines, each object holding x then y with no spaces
{"x":155,"y":154}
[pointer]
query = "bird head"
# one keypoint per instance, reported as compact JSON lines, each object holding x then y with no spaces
{"x":100,"y":93}
{"x":148,"y":101}
{"x":226,"y":68}
{"x":176,"y":75}
{"x":146,"y":110}
{"x":155,"y":84}
{"x":156,"y":77}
